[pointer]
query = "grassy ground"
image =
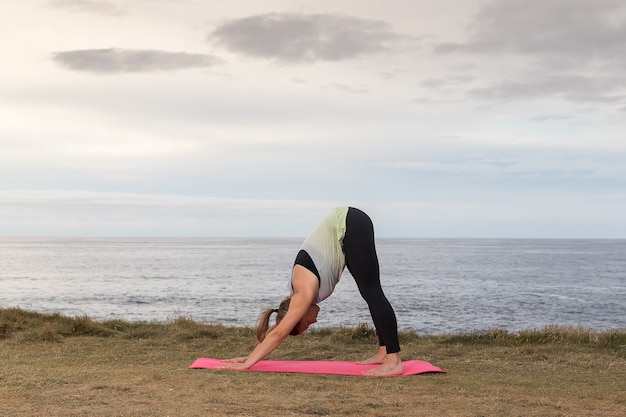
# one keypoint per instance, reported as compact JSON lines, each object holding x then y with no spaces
{"x":51,"y":365}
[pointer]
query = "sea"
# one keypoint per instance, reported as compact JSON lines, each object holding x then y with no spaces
{"x":436,"y":286}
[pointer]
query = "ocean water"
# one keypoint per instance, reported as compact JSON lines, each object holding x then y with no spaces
{"x":435,"y":285}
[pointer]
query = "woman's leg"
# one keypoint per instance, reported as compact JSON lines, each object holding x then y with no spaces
{"x":362,"y":262}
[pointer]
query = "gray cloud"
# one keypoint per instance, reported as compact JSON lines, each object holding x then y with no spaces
{"x":88,"y":6}
{"x":574,"y":50}
{"x":446,"y":82}
{"x":108,"y":61}
{"x":568,"y":87}
{"x":304,"y":37}
{"x":551,"y":118}
{"x":347,"y":88}
{"x":553,"y":30}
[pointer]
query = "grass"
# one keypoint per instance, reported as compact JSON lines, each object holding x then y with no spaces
{"x":53,"y":365}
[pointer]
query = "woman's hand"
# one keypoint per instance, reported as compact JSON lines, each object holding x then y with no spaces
{"x":240,"y":359}
{"x":234,"y":366}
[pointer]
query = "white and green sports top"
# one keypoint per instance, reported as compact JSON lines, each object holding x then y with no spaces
{"x":324,"y":246}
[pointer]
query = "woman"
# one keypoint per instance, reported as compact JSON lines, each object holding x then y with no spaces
{"x":343,"y":238}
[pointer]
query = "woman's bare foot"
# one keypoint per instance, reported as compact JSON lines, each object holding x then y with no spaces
{"x":391,"y":365}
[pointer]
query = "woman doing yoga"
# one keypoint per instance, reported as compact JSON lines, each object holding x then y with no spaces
{"x":344,"y":238}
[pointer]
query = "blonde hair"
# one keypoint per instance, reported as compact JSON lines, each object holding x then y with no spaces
{"x":263,"y":322}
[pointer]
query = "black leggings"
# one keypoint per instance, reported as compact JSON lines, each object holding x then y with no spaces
{"x":362,"y":262}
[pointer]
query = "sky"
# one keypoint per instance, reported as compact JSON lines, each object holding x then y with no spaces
{"x":439,"y":118}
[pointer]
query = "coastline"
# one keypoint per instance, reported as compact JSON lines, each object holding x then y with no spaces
{"x":58,"y":365}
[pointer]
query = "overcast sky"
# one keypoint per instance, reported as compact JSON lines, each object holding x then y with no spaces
{"x":440,"y":118}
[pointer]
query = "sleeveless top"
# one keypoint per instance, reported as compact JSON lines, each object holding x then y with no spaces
{"x":325,"y":247}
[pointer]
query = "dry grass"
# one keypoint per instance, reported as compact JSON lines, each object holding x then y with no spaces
{"x":51,"y":365}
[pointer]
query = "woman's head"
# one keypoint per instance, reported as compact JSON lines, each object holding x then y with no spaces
{"x":263,"y":322}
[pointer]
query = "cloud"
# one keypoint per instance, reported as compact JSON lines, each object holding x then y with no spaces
{"x":88,"y":6}
{"x":569,"y":87}
{"x":573,"y":50}
{"x":347,"y":88}
{"x":80,"y":213}
{"x":561,"y":166}
{"x":115,"y":60}
{"x":446,"y":82}
{"x":292,"y":38}
{"x":506,"y":213}
{"x":552,"y":118}
{"x":561,"y":31}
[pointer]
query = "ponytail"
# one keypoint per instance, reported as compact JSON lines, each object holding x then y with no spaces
{"x":263,"y":321}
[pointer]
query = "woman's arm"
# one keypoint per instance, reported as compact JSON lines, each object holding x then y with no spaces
{"x":306,"y":286}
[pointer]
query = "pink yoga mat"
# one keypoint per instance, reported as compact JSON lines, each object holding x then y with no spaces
{"x":319,"y":367}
